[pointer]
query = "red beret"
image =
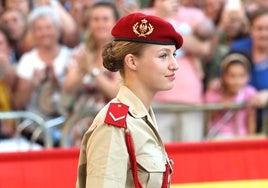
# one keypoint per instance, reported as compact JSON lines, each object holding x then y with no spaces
{"x":139,"y":27}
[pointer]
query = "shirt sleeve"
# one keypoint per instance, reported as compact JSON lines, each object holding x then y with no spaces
{"x":107,"y":158}
{"x":25,"y":69}
{"x":27,"y":65}
{"x":212,"y":97}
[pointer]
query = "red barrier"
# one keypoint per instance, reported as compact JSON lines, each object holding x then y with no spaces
{"x":194,"y":162}
{"x":43,"y":169}
{"x":219,"y":161}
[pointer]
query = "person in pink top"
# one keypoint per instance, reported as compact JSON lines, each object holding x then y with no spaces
{"x":229,"y":123}
{"x":185,"y":126}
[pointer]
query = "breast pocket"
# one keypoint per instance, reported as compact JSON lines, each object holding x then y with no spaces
{"x":151,"y":171}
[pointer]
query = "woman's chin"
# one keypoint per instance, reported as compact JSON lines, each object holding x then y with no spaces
{"x":166,"y":88}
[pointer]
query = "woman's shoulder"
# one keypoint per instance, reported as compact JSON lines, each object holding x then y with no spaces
{"x":108,"y":115}
{"x":108,"y":110}
{"x":29,"y":54}
{"x":213,"y":95}
{"x":66,"y":50}
{"x":249,"y":90}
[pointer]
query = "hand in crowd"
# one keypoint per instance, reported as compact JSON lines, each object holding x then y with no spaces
{"x":42,"y":75}
{"x":87,"y":61}
{"x":39,"y":75}
{"x":4,"y":64}
{"x":7,"y":71}
{"x":214,"y":84}
{"x":224,"y":22}
{"x":7,"y":128}
{"x":260,"y":100}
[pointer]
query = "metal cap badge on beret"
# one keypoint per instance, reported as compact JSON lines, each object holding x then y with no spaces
{"x":139,"y":27}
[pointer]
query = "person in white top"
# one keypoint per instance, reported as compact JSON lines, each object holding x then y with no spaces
{"x":46,"y":63}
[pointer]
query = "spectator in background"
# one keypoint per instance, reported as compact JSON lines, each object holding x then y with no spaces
{"x":70,"y":33}
{"x":256,"y":48}
{"x":41,"y":71}
{"x":192,"y":3}
{"x":24,"y":6}
{"x":16,"y":24}
{"x":7,"y":82}
{"x":253,"y":5}
{"x":7,"y":59}
{"x":235,"y":73}
{"x":87,"y":81}
{"x":233,"y":25}
{"x":213,"y":10}
{"x":78,"y":9}
{"x":128,"y":6}
{"x":188,"y":126}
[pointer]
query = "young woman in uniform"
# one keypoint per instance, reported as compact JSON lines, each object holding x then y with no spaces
{"x":122,"y":147}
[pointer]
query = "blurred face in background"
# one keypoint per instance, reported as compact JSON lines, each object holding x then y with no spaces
{"x":45,"y":31}
{"x":21,"y":5}
{"x":259,"y":32}
{"x":166,"y":7}
{"x":262,"y":3}
{"x":15,"y":23}
{"x":212,"y":9}
{"x":235,"y":77}
{"x":191,"y":3}
{"x":236,"y":23}
{"x":101,"y":22}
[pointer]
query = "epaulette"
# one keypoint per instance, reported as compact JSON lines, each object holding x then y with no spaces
{"x":117,"y":114}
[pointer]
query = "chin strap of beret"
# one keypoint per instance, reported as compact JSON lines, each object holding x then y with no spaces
{"x":116,"y":116}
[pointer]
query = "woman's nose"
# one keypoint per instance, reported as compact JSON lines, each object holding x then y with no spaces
{"x":174,"y":65}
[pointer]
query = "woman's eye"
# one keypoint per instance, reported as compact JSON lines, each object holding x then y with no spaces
{"x":174,"y":54}
{"x":163,"y":56}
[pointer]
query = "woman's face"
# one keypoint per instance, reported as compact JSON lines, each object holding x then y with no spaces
{"x":15,"y":24}
{"x":235,"y":78}
{"x":101,"y":22}
{"x":45,"y":32}
{"x":212,"y":8}
{"x":21,"y":5}
{"x":259,"y":32}
{"x":167,"y":6}
{"x":262,"y":3}
{"x":156,"y":67}
{"x":235,"y":24}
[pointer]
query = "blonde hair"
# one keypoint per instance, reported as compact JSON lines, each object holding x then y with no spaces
{"x":114,"y":53}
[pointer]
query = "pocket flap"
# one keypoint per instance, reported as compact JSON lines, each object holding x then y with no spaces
{"x":151,"y":164}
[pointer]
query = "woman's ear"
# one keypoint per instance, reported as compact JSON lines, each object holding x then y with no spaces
{"x":131,"y":62}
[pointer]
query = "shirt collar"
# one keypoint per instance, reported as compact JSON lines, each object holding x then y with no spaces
{"x":136,"y":107}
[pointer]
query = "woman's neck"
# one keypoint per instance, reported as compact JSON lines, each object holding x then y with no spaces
{"x":48,"y":55}
{"x":259,"y":54}
{"x":228,"y":94}
{"x":142,"y":93}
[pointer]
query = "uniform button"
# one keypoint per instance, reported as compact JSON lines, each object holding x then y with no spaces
{"x":134,"y":112}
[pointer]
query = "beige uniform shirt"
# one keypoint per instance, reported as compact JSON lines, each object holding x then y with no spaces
{"x":104,"y":159}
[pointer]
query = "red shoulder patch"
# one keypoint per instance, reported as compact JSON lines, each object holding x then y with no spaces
{"x":117,"y":114}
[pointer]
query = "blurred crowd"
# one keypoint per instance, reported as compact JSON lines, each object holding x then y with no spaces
{"x":51,"y":64}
